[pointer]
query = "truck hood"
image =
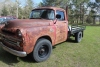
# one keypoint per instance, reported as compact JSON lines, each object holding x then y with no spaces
{"x":23,"y":23}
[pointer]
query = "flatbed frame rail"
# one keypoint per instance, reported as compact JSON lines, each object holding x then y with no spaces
{"x":76,"y":28}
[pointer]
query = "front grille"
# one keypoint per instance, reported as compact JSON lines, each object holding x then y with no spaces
{"x":10,"y":40}
{"x":4,"y":30}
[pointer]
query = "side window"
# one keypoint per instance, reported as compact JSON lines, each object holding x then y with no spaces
{"x":51,"y":15}
{"x":62,"y":15}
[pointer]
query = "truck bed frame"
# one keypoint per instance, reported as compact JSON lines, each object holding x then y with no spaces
{"x":72,"y":29}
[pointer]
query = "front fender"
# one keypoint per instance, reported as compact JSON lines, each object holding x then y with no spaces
{"x":33,"y":34}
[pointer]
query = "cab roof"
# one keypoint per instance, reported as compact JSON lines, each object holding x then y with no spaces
{"x":54,"y":8}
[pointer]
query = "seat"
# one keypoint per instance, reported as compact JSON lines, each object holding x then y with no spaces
{"x":44,"y":14}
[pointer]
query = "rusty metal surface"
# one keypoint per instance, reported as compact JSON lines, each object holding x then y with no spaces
{"x":32,"y":36}
{"x":23,"y":23}
{"x":33,"y":29}
{"x":61,"y":31}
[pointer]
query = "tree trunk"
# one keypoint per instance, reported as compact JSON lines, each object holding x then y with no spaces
{"x":93,"y":19}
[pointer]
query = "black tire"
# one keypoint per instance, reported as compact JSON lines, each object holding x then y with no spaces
{"x":82,"y":33}
{"x":78,"y":37}
{"x":42,"y":50}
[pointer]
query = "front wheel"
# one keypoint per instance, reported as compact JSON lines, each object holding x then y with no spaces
{"x":42,"y":50}
{"x":78,"y":37}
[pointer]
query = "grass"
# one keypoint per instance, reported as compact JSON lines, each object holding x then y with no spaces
{"x":67,"y":54}
{"x":98,"y":23}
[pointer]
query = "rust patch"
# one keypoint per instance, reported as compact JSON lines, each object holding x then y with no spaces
{"x":32,"y":35}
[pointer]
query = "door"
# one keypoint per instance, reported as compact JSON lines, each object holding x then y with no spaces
{"x":61,"y":27}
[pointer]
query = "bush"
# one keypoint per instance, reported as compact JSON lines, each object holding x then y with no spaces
{"x":89,"y":19}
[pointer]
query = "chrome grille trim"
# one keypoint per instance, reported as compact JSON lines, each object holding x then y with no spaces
{"x":10,"y":40}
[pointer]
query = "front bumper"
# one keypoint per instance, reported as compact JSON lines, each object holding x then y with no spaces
{"x":14,"y":52}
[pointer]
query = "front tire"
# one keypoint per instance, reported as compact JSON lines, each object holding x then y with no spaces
{"x":42,"y":50}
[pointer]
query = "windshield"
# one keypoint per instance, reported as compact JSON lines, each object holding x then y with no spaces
{"x":42,"y":13}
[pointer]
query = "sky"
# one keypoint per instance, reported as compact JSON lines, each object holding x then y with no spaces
{"x":92,"y":0}
{"x":37,"y":1}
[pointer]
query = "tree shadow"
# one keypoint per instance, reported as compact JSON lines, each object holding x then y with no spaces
{"x":11,"y":60}
{"x":71,"y":40}
{"x":7,"y":57}
{"x":28,"y":59}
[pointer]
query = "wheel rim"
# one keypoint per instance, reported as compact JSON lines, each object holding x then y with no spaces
{"x":43,"y":51}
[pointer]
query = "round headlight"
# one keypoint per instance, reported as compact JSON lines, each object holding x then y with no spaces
{"x":19,"y":33}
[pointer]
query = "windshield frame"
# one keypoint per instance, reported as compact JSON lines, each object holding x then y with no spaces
{"x":40,"y":15}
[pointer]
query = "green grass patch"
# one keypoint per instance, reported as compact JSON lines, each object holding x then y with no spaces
{"x":67,"y":54}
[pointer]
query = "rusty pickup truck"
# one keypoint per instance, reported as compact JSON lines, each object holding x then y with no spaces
{"x":46,"y":27}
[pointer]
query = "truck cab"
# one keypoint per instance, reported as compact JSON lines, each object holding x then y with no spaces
{"x":46,"y":27}
{"x":58,"y":19}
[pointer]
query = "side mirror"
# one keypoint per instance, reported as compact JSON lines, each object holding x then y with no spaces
{"x":58,"y":16}
{"x":55,"y":21}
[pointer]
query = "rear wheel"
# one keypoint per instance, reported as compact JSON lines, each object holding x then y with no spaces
{"x":42,"y":50}
{"x":78,"y":37}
